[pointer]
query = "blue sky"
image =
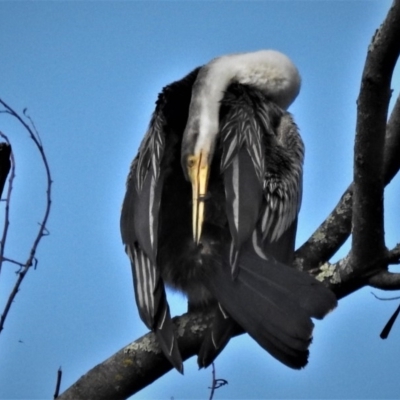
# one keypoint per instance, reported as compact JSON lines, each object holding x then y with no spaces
{"x":89,"y":74}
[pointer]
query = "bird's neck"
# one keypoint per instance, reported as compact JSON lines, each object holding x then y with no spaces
{"x":270,"y":71}
{"x":207,"y":93}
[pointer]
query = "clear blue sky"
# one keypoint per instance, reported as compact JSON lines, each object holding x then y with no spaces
{"x":89,"y":73}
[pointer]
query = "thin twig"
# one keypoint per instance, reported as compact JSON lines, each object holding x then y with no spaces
{"x":213,"y":381}
{"x":42,"y":226}
{"x":58,"y":383}
{"x":389,"y":325}
{"x":13,"y":261}
{"x":216,"y":383}
{"x":385,"y":298}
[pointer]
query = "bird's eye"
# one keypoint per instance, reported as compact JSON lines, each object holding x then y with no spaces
{"x":191,"y":161}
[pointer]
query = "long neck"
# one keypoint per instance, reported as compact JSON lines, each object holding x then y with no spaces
{"x":207,"y":93}
{"x":268,"y":70}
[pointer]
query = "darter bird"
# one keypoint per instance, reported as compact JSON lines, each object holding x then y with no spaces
{"x":211,"y":207}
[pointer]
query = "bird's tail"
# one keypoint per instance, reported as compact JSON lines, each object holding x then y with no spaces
{"x":272,"y":302}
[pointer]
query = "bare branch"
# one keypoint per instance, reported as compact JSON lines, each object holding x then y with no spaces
{"x":216,"y":382}
{"x":42,"y":226}
{"x":385,"y":280}
{"x":13,"y":261}
{"x":373,"y":103}
{"x":58,"y":383}
{"x":138,"y":364}
{"x":386,"y":330}
{"x":335,"y":230}
{"x":385,"y":298}
{"x":344,"y":279}
{"x":329,"y":236}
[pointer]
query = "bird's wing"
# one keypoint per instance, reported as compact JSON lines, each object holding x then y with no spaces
{"x":283,"y":180}
{"x":139,"y":228}
{"x":262,"y":157}
{"x":140,"y":216}
{"x":242,"y":166}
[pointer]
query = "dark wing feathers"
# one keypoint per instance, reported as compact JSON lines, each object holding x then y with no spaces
{"x":242,"y":167}
{"x":164,"y":330}
{"x":243,"y":202}
{"x":262,"y":301}
{"x":140,"y":217}
{"x":283,"y":180}
{"x":262,"y":152}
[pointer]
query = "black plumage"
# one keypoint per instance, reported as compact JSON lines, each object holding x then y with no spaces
{"x":240,"y":267}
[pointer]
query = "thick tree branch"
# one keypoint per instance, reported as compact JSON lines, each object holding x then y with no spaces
{"x":334,"y":231}
{"x":329,"y":236}
{"x":373,"y":103}
{"x":385,"y":280}
{"x":138,"y":364}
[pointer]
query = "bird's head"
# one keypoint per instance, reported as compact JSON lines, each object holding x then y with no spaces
{"x":268,"y":70}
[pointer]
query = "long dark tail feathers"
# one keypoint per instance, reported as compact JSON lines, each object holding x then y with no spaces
{"x":167,"y":339}
{"x":217,"y":337}
{"x":273,"y":303}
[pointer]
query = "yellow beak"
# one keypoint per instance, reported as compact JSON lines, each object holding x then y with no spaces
{"x":198,"y":171}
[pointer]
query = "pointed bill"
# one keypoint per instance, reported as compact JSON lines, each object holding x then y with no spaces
{"x":198,"y":169}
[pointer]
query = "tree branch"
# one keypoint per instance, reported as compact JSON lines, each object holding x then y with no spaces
{"x":373,"y":103}
{"x":343,"y":279}
{"x":385,"y":280}
{"x":329,"y":236}
{"x":31,"y":260}
{"x":334,"y":231}
{"x":138,"y":364}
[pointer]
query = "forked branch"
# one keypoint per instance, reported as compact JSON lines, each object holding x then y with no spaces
{"x":42,"y":231}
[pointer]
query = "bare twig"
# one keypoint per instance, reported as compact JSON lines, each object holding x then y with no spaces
{"x":385,"y":298}
{"x":213,"y":381}
{"x":42,"y":226}
{"x":388,"y":327}
{"x":9,"y":260}
{"x":58,"y":383}
{"x":216,"y":383}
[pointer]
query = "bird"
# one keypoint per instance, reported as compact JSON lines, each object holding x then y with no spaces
{"x":211,"y":209}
